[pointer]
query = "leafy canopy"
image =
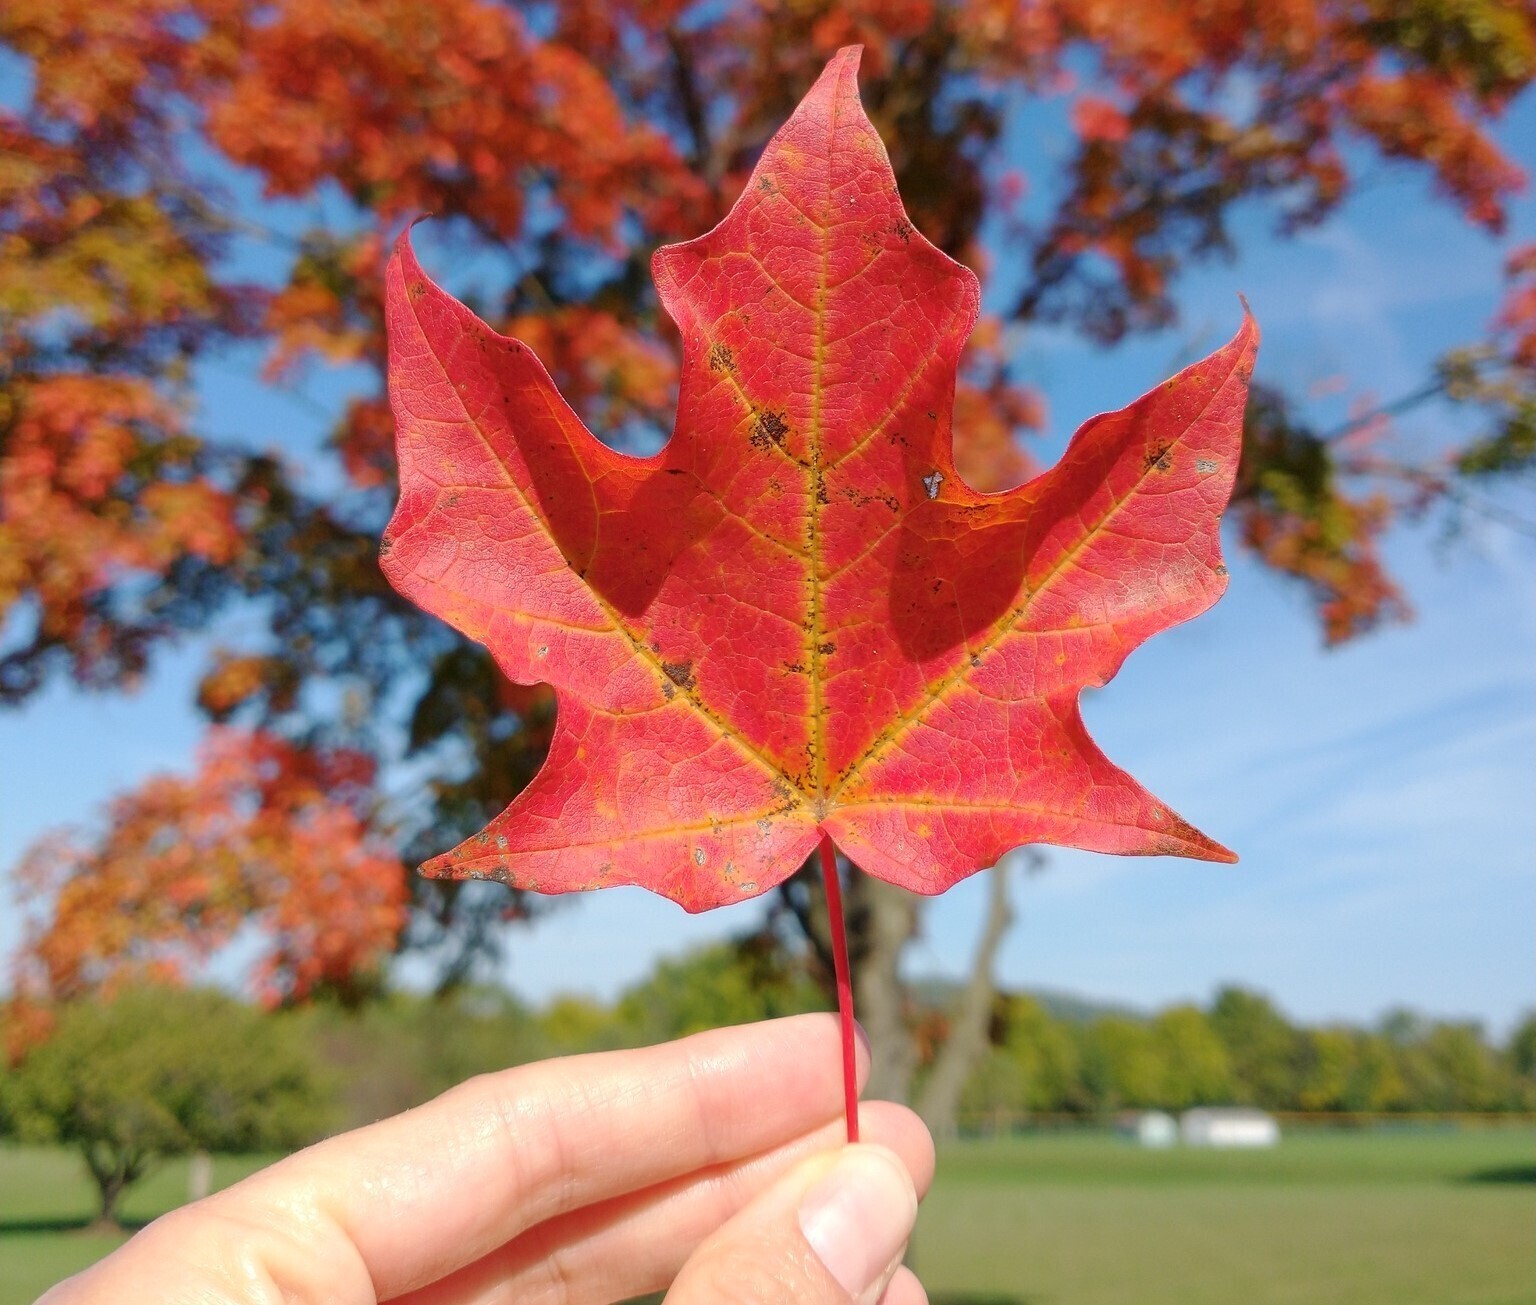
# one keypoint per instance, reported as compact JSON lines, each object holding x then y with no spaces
{"x":558,"y":145}
{"x":157,"y":1071}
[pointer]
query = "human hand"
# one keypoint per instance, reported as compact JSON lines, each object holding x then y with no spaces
{"x":714,"y":1164}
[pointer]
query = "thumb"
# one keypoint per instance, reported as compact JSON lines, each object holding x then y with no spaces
{"x":830,"y":1231}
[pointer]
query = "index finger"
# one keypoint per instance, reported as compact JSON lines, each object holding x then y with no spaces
{"x":412,"y":1198}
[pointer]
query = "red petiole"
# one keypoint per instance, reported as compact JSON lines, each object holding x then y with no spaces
{"x":844,"y":983}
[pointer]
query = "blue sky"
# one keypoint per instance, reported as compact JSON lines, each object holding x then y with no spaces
{"x":1380,"y":795}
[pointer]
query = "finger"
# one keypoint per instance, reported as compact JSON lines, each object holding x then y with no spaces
{"x":386,"y":1209}
{"x":830,"y":1232}
{"x":637,"y":1244}
{"x":434,"y":1189}
{"x":904,"y":1289}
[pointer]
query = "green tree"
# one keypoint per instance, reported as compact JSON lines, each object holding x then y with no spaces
{"x":404,"y":1048}
{"x":573,"y":1024}
{"x":1522,"y":1048}
{"x":158,"y":1071}
{"x":1332,"y":1057}
{"x":1034,"y":1066}
{"x":1123,"y":1063}
{"x":1196,"y":1069}
{"x":727,"y":983}
{"x":1264,"y":1050}
{"x":1450,"y":1066}
{"x":1048,"y":1056}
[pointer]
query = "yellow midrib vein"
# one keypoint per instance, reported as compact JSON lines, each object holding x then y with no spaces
{"x":816,"y":634}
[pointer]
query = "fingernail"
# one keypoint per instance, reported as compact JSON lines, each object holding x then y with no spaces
{"x":858,"y":1216}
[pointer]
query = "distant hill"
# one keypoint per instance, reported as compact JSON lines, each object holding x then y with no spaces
{"x":939,"y":993}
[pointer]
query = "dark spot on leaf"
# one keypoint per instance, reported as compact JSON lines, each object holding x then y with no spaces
{"x":821,"y":489}
{"x":677,"y":471}
{"x":385,"y":545}
{"x":668,"y":692}
{"x":902,"y":230}
{"x":1158,"y":459}
{"x":826,"y":649}
{"x":765,"y":184}
{"x":720,"y":359}
{"x":680,"y":673}
{"x":768,"y":428}
{"x":794,"y":668}
{"x":975,"y":661}
{"x":1220,"y":568}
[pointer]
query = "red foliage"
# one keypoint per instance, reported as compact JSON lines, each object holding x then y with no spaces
{"x":267,"y":843}
{"x":797,"y":620}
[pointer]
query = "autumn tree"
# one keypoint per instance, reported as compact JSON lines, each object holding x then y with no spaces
{"x":265,"y":835}
{"x":556,"y":145}
{"x":155,"y":1072}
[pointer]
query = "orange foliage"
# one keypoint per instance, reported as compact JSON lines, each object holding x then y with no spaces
{"x":567,"y":146}
{"x":329,"y":307}
{"x":603,"y":367}
{"x":991,"y":413}
{"x":266,"y":839}
{"x":444,"y":107}
{"x":95,"y":485}
{"x":1334,"y":551}
{"x":1418,"y":116}
{"x":1516,"y":321}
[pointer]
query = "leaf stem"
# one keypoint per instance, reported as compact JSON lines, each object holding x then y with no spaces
{"x":844,"y":983}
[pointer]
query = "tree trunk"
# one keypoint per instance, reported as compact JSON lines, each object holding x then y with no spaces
{"x":199,"y":1176}
{"x":939,"y":1104}
{"x":110,"y":1189}
{"x":881,"y":921}
{"x":114,"y":1171}
{"x":888,"y":919}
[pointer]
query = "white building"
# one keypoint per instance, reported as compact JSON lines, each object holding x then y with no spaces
{"x":1155,"y":1129}
{"x":1228,"y":1126}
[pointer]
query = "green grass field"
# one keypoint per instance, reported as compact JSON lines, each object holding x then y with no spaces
{"x":1381,"y":1218}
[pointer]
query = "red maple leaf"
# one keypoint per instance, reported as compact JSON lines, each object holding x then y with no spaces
{"x":796,"y":620}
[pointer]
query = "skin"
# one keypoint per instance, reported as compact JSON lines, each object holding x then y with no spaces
{"x":715,"y":1164}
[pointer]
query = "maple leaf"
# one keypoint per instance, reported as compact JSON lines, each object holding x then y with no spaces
{"x":796,"y":620}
